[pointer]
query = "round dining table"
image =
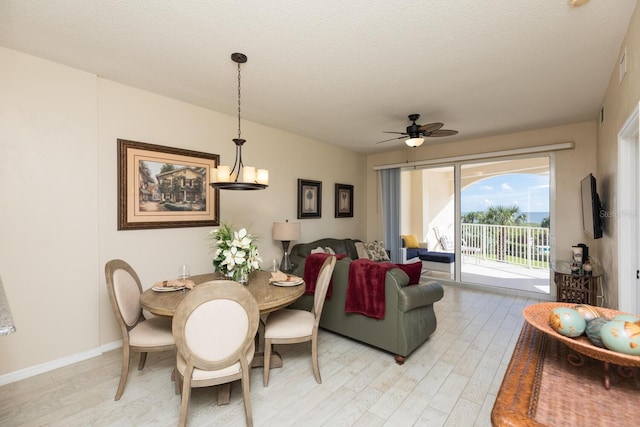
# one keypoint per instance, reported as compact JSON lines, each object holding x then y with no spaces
{"x":270,"y":298}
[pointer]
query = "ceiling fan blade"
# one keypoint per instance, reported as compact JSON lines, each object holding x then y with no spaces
{"x":392,"y":139}
{"x":431,"y":127}
{"x":399,"y":133}
{"x":443,"y":132}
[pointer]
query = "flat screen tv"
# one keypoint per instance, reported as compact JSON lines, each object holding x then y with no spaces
{"x":591,"y":218}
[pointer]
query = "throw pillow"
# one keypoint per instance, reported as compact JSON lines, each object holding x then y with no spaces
{"x":361,"y":251}
{"x":410,"y":241}
{"x":329,"y":251}
{"x":376,"y":251}
{"x":317,"y":250}
{"x":413,"y":270}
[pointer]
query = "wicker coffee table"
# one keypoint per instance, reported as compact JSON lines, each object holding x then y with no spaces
{"x":541,"y":388}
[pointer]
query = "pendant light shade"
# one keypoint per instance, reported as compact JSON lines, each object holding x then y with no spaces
{"x":240,"y":177}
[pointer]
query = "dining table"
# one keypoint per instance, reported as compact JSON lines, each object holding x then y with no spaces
{"x":269,"y":296}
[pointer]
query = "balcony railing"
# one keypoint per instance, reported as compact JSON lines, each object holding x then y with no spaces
{"x":519,"y":245}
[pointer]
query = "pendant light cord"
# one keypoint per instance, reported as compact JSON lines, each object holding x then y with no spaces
{"x":239,"y":132}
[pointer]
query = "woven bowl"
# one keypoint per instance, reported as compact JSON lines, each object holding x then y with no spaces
{"x":537,"y":315}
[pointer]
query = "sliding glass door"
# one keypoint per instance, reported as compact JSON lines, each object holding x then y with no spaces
{"x":493,"y":216}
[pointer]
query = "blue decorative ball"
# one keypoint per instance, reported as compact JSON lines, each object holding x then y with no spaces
{"x":567,"y":321}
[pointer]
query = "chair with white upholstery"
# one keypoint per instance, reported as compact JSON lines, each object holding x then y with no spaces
{"x":289,"y":326}
{"x":138,"y":334}
{"x":214,"y":329}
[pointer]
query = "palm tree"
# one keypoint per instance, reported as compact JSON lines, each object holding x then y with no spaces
{"x":503,"y":215}
{"x":476,"y":217}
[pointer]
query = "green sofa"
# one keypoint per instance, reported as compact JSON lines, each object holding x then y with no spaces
{"x":409,"y":316}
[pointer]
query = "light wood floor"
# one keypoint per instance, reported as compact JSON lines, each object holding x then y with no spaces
{"x":451,"y":380}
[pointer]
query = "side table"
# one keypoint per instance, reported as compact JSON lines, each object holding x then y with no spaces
{"x":577,"y":287}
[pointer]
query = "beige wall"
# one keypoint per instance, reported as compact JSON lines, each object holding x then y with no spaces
{"x":619,"y":102}
{"x":59,"y":218}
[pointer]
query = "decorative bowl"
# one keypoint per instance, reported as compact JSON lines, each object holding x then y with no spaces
{"x":537,"y":315}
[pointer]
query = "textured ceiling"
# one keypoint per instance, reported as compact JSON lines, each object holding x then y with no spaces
{"x":344,"y":71}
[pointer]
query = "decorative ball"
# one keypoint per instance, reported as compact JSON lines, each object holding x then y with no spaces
{"x":587,"y":311}
{"x":593,"y":331}
{"x":567,"y":321}
{"x":622,"y":336}
{"x":627,"y":318}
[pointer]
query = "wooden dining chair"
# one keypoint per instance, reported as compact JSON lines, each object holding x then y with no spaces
{"x":214,"y":328}
{"x":289,"y":326}
{"x":138,"y":334}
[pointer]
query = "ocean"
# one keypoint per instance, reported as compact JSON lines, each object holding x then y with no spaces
{"x":536,"y":217}
{"x":533,"y":217}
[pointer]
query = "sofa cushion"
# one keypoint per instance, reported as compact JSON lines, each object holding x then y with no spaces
{"x":410,"y":241}
{"x":416,"y":252}
{"x":376,"y":251}
{"x":444,"y":257}
{"x":413,"y":270}
{"x":362,"y":251}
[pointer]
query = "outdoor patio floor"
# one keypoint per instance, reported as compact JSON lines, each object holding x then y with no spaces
{"x":503,"y":275}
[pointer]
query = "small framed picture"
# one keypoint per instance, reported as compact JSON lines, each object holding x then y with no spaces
{"x":309,"y":199}
{"x":344,"y":201}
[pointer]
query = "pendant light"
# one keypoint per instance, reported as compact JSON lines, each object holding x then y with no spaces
{"x":240,"y":177}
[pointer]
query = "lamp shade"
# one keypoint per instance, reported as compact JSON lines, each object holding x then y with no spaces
{"x":286,"y":231}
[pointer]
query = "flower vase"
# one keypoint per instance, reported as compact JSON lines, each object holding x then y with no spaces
{"x":243,"y":277}
{"x":240,"y":276}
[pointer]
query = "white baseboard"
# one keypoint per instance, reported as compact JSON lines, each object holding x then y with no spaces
{"x":22,"y":374}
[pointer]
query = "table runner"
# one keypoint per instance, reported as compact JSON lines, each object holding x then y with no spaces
{"x":541,"y":388}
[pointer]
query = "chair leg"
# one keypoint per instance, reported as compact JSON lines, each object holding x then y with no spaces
{"x":177,"y":380}
{"x":314,"y":356}
{"x":124,"y":372}
{"x":246,"y":396}
{"x":184,"y":406}
{"x":267,"y":362}
{"x":143,"y":360}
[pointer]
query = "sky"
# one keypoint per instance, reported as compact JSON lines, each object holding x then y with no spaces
{"x":527,"y":191}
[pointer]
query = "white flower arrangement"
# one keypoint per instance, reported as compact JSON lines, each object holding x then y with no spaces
{"x":236,"y":253}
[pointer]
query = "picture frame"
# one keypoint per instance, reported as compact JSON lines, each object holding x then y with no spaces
{"x":165,"y":187}
{"x":344,"y":201}
{"x":309,"y":199}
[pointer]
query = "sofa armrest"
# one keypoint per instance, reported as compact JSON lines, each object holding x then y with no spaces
{"x":414,"y":296}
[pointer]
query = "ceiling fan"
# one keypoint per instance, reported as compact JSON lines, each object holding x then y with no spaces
{"x":417,"y":133}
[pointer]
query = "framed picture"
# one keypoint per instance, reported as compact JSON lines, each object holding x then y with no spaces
{"x":309,"y":199}
{"x":164,"y":187}
{"x":344,"y":201}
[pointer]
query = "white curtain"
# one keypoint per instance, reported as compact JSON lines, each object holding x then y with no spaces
{"x":390,"y":189}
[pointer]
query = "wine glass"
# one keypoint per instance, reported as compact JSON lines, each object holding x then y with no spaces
{"x":184,"y":272}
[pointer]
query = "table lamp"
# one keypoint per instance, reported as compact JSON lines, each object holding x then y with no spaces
{"x":286,"y":232}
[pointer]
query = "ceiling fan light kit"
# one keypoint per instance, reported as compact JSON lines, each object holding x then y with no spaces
{"x":414,"y":142}
{"x":240,"y":177}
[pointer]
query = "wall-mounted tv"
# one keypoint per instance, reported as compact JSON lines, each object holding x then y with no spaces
{"x":591,"y":217}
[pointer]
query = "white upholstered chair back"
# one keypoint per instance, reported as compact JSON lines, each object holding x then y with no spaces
{"x":127,"y":289}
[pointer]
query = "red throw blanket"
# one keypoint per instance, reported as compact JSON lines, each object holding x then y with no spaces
{"x":365,"y":292}
{"x":312,"y":265}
